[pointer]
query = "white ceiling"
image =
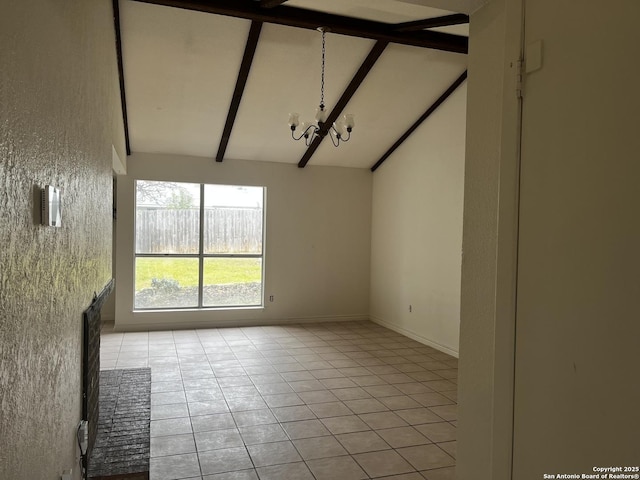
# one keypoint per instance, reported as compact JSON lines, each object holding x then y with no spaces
{"x":180,"y":71}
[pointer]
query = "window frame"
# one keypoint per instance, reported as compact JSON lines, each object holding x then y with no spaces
{"x":201,"y":255}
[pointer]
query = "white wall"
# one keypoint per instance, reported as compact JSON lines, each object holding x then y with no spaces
{"x":573,"y":351}
{"x":487,"y":311}
{"x":318,"y":226}
{"x":416,"y":234}
{"x":58,"y":122}
{"x":578,"y":318}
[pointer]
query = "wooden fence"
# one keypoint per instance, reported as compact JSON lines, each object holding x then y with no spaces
{"x":226,"y":230}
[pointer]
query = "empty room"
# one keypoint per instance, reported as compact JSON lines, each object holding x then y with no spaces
{"x":259,"y":240}
{"x":337,"y":275}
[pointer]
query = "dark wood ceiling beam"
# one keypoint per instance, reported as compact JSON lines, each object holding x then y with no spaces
{"x":271,"y":3}
{"x":424,"y":116}
{"x":358,"y":78}
{"x":123,"y":96}
{"x":417,"y":25}
{"x":298,"y":17}
{"x":241,"y":82}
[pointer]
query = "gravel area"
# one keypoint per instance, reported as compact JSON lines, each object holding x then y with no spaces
{"x":233,"y":294}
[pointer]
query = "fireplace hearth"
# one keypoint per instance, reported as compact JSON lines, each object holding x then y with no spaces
{"x":92,"y":324}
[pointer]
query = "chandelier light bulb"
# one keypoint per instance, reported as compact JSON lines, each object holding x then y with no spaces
{"x":349,"y":121}
{"x":321,"y":114}
{"x":294,"y":120}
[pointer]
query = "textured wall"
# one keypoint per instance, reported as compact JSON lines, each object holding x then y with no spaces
{"x":56,"y":127}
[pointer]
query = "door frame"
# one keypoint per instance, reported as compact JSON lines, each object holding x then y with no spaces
{"x":488,"y":320}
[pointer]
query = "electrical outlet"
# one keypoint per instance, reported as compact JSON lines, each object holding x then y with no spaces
{"x":271,"y":298}
{"x":67,"y":475}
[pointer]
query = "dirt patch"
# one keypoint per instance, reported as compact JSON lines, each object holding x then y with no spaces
{"x":172,"y":296}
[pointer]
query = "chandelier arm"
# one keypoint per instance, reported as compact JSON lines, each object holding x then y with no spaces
{"x":308,"y":140}
{"x":309,"y":132}
{"x":333,"y":134}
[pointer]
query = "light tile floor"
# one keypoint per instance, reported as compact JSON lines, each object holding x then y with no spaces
{"x":334,"y":401}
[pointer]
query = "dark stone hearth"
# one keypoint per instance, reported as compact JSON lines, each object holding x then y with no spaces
{"x":122,"y":445}
{"x":91,"y":363}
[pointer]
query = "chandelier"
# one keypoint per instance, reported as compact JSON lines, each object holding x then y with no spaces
{"x":340,"y":131}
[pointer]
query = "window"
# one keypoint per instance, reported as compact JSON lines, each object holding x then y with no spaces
{"x":198,"y":246}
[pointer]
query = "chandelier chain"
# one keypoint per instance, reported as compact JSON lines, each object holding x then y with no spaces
{"x":339,"y":132}
{"x":322,"y":72}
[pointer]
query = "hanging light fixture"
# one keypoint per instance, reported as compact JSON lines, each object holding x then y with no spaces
{"x":340,"y":131}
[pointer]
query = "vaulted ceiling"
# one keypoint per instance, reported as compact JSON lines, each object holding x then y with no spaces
{"x":218,"y":78}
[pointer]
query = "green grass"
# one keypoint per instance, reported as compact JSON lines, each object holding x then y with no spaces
{"x":185,"y":271}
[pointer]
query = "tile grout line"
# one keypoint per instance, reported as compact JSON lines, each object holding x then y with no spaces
{"x":291,"y":345}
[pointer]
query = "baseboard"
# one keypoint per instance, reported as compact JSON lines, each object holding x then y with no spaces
{"x":107,"y":326}
{"x":191,"y":324}
{"x":413,"y":335}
